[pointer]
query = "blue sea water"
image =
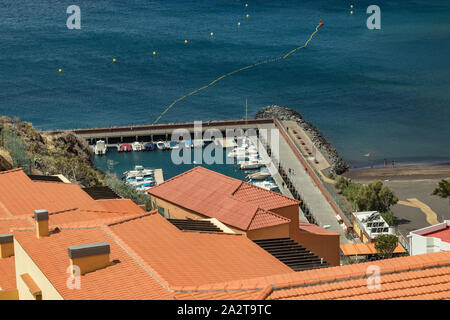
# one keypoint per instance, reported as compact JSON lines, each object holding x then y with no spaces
{"x":384,"y":92}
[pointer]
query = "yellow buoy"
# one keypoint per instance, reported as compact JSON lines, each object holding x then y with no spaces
{"x":114,"y":60}
{"x":185,"y":41}
{"x":154,"y":53}
{"x":351,"y":6}
{"x":247,"y":15}
{"x":59,"y":70}
{"x":351,"y":12}
{"x":239,"y":24}
{"x":212,"y":34}
{"x":246,"y":5}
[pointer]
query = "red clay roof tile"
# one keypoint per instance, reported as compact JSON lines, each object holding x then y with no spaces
{"x":227,"y":199}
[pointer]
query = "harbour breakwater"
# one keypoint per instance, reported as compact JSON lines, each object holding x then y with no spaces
{"x":338,"y":166}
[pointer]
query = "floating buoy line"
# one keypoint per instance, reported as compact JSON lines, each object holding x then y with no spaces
{"x":283,"y":57}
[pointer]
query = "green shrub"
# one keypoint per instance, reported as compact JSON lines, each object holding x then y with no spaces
{"x":389,"y":218}
{"x":385,"y":245}
{"x":15,"y":146}
{"x":128,"y":192}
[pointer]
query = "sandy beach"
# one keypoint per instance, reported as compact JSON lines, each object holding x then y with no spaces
{"x":413,"y":172}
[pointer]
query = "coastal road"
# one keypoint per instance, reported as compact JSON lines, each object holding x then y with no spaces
{"x":312,"y":196}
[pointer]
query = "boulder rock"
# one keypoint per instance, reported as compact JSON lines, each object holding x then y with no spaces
{"x":338,"y":166}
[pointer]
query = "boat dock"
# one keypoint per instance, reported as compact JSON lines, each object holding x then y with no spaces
{"x":129,"y":134}
{"x":297,"y":172}
{"x":159,"y":176}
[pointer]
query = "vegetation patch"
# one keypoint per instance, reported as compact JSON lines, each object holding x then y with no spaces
{"x":372,"y":197}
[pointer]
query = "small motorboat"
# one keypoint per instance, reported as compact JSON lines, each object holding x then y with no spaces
{"x":268,"y":185}
{"x":251,"y":164}
{"x":149,"y":146}
{"x":262,"y":175}
{"x":174,"y":145}
{"x":136,"y":146}
{"x":161,"y":145}
{"x":100,"y":147}
{"x":125,"y":147}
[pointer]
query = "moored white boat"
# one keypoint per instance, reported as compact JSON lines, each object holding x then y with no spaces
{"x":100,"y":147}
{"x":265,"y":185}
{"x":262,"y":175}
{"x":251,"y":164}
{"x":137,"y":146}
{"x":161,"y":145}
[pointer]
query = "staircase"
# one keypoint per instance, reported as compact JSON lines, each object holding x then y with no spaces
{"x":194,"y":225}
{"x":292,"y":254}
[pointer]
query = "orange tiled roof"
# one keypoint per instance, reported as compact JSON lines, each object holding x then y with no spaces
{"x":120,"y":205}
{"x":214,"y":195}
{"x":7,"y":274}
{"x":350,"y":249}
{"x":412,"y":277}
{"x":191,"y":258}
{"x":265,"y":199}
{"x":15,"y":185}
{"x":312,"y":228}
{"x":225,"y":295}
{"x":155,"y":258}
{"x":264,"y":219}
{"x":126,"y":280}
{"x":8,"y":224}
{"x":67,"y":204}
{"x":87,"y":218}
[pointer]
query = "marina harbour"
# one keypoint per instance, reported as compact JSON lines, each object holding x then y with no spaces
{"x":137,"y":164}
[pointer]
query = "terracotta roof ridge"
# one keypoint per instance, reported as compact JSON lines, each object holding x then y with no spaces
{"x":288,"y":286}
{"x":137,"y":258}
{"x":23,"y":217}
{"x":196,"y":168}
{"x":10,"y":171}
{"x":134,"y":217}
{"x":173,"y":178}
{"x":260,"y":210}
{"x":220,"y":233}
{"x":267,"y":291}
{"x":271,"y":192}
{"x":62,"y":211}
{"x":5,"y":209}
{"x":237,"y":189}
{"x":193,"y":290}
{"x":390,"y":266}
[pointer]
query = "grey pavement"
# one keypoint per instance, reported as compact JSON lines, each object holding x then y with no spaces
{"x":312,"y":196}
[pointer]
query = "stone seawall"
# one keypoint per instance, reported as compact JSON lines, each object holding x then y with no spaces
{"x":338,"y":166}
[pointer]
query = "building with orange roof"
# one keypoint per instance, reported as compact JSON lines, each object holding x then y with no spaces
{"x":201,"y":193}
{"x":418,"y":277}
{"x":366,"y":249}
{"x":434,"y":238}
{"x":118,"y":251}
{"x":145,"y":257}
{"x":69,"y":206}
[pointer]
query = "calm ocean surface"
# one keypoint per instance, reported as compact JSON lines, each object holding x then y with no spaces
{"x":384,"y":92}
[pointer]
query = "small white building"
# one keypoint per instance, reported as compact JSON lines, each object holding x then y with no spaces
{"x":370,"y":224}
{"x":430,"y":239}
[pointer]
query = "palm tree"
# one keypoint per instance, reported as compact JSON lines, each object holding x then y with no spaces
{"x":443,"y":189}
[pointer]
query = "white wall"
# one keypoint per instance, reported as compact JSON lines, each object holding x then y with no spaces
{"x":421,"y":245}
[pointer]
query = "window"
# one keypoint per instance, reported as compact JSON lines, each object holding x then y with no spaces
{"x":161,"y":211}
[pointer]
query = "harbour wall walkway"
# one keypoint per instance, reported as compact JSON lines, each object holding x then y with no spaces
{"x":114,"y":135}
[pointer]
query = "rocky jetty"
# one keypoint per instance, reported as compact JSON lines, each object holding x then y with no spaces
{"x":338,"y":166}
